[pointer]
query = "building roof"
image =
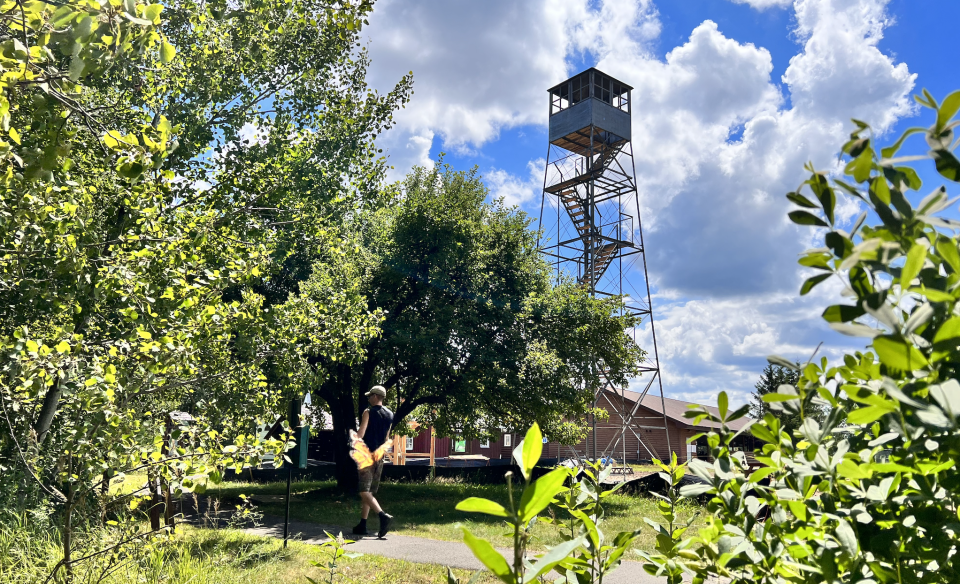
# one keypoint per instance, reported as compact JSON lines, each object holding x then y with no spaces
{"x":627,"y":87}
{"x":676,"y":408}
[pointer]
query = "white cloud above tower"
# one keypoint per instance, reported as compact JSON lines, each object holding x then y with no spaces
{"x":717,"y":140}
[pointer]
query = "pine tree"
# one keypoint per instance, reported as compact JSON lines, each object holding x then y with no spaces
{"x":774,"y":376}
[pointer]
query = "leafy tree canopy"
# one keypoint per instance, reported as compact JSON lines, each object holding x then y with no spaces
{"x":157,"y":157}
{"x":475,"y":336}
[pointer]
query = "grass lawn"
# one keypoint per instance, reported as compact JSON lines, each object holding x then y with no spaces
{"x":228,"y":557}
{"x":207,"y":556}
{"x":428,"y":510}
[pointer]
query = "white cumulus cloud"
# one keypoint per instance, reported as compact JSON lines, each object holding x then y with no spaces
{"x":717,"y":142}
{"x":514,"y":190}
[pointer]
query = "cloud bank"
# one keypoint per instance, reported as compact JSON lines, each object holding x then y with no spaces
{"x":717,"y":142}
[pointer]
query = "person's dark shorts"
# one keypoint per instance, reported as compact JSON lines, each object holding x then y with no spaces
{"x":370,"y":477}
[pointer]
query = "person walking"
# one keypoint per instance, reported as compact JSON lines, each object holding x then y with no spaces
{"x":375,"y":424}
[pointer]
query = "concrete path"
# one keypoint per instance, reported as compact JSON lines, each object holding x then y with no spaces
{"x":454,"y":554}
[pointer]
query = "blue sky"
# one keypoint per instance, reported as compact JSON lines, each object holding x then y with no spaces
{"x":731,"y":98}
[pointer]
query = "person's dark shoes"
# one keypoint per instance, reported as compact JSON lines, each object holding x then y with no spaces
{"x":361,"y":528}
{"x":385,"y":521}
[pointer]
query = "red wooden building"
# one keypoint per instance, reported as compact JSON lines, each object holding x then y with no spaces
{"x":647,"y":424}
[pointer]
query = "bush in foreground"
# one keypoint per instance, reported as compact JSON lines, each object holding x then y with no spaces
{"x":870,"y":493}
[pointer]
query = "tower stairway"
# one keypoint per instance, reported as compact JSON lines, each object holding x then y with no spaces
{"x":599,"y":165}
{"x":605,"y":252}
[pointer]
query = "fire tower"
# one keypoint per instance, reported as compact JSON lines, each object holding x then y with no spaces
{"x":589,"y":216}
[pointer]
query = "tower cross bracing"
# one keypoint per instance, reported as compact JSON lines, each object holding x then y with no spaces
{"x":591,"y":232}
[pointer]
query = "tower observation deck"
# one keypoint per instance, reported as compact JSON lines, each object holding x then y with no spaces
{"x":591,"y":232}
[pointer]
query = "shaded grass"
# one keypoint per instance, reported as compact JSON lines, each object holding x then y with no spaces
{"x":428,"y":510}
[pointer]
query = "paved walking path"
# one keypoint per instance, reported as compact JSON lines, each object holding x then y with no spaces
{"x":420,"y":549}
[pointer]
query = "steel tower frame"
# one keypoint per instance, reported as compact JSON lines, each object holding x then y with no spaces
{"x":590,"y":183}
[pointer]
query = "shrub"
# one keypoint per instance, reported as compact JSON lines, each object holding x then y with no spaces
{"x":869,"y":493}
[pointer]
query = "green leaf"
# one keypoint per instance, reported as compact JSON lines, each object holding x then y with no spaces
{"x":695,"y":490}
{"x":111,"y":139}
{"x":947,"y":249}
{"x":532,"y":448}
{"x":948,"y":109}
{"x":913,"y":179}
{"x":152,"y":13}
{"x":63,"y":16}
{"x":488,"y":556}
{"x":948,"y":332}
{"x":818,"y":260}
{"x":479,"y":505}
{"x":798,"y":199}
{"x":810,"y":283}
{"x":933,"y":295}
{"x":777,"y":397}
{"x":947,"y":164}
{"x":839,"y":244}
{"x":782,"y":362}
{"x":842,"y":313}
{"x":84,"y":28}
{"x":911,"y":268}
{"x":167,"y":52}
{"x":889,"y":151}
{"x":805,"y":218}
{"x":761,"y":473}
{"x":867,"y":415}
{"x":76,"y":68}
{"x":880,"y":189}
{"x":549,"y":560}
{"x":860,"y":166}
{"x":538,"y":494}
{"x":897,"y":353}
{"x":722,"y":403}
{"x":849,"y":469}
{"x":947,"y":394}
{"x":847,"y":538}
{"x":763,"y":433}
{"x":827,"y":198}
{"x":14,"y":135}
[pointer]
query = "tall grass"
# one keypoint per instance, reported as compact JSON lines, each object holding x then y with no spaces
{"x":194,"y":556}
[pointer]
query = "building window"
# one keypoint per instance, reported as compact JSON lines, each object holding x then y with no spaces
{"x":485,"y":444}
{"x":459,"y":445}
{"x":581,"y":88}
{"x":409,"y":444}
{"x":507,"y":440}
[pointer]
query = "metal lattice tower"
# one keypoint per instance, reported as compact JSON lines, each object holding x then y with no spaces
{"x":590,"y":225}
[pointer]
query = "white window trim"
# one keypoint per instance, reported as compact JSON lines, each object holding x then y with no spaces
{"x":508,"y":440}
{"x":409,"y":444}
{"x":485,"y":443}
{"x":455,"y":440}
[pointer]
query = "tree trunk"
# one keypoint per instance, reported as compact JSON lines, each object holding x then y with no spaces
{"x":51,"y":403}
{"x":344,"y":416}
{"x":68,"y":535}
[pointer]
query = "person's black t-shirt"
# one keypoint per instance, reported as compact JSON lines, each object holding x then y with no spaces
{"x":378,"y":426}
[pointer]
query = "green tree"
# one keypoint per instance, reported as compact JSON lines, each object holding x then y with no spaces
{"x":771,"y":379}
{"x":870,"y":493}
{"x":137,"y":228}
{"x":474,"y":337}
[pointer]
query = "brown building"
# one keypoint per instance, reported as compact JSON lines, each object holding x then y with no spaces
{"x":647,"y":424}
